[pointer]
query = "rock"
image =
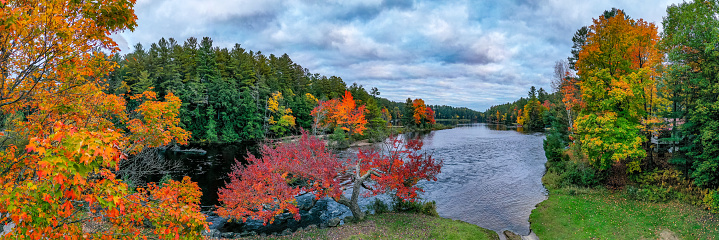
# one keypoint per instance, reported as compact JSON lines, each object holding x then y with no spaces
{"x":349,"y":219}
{"x":305,"y":202}
{"x":299,"y":229}
{"x":512,"y":236}
{"x":284,"y":217}
{"x":216,"y":234}
{"x":5,"y":229}
{"x":323,"y":225}
{"x":310,"y":227}
{"x":217,"y":222}
{"x":263,"y":235}
{"x":333,"y":222}
{"x":227,"y":235}
{"x":286,"y":232}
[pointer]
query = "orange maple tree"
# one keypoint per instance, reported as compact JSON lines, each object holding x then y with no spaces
{"x":422,"y":113}
{"x":64,"y":137}
{"x":343,"y":113}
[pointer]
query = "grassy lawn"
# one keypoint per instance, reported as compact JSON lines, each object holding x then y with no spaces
{"x":399,"y":226}
{"x":601,"y":214}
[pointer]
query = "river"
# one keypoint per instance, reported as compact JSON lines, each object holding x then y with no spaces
{"x":492,"y":177}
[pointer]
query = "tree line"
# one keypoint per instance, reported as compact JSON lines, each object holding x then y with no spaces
{"x":231,"y":95}
{"x":530,"y":113}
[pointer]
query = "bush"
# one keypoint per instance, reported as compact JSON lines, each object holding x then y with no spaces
{"x":711,"y":200}
{"x":580,"y":174}
{"x":665,"y":185}
{"x":379,"y":207}
{"x":552,"y":180}
{"x":338,"y":139}
{"x":554,"y":148}
{"x":376,"y":135}
{"x":650,"y":194}
{"x":426,"y":208}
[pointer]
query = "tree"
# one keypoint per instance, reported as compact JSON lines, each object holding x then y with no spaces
{"x":613,"y":87}
{"x":343,"y":113}
{"x":280,"y":116}
{"x":420,"y":111}
{"x":579,"y":40}
{"x":690,"y":38}
{"x":65,"y":136}
{"x":267,"y":186}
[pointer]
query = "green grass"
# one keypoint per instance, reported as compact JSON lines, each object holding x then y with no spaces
{"x":601,"y":214}
{"x":399,"y":226}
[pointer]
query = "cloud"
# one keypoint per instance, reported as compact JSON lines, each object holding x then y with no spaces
{"x":461,"y":53}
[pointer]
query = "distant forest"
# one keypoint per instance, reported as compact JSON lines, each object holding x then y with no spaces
{"x":225,"y":92}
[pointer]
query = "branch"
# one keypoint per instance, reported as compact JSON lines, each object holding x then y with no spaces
{"x":344,"y":201}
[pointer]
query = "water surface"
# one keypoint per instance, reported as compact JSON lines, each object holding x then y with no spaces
{"x":491,"y":177}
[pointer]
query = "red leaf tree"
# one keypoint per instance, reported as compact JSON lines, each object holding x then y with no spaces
{"x":268,"y":185}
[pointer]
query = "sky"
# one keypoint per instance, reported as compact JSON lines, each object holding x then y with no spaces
{"x":471,"y":54}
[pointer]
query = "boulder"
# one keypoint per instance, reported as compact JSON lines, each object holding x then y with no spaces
{"x":512,"y":236}
{"x":333,"y":222}
{"x":227,"y":235}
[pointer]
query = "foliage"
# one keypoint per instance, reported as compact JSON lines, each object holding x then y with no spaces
{"x":616,"y":70}
{"x":580,"y":174}
{"x":343,"y":113}
{"x":422,"y":114}
{"x":338,"y":139}
{"x":690,"y":39}
{"x":527,"y":112}
{"x":378,"y":206}
{"x":427,"y":208}
{"x":280,"y":116}
{"x":268,"y":185}
{"x":58,"y":160}
{"x":711,"y":199}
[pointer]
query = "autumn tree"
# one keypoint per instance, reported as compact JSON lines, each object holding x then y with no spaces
{"x":267,"y":186}
{"x":422,"y":114}
{"x":616,"y":69}
{"x":343,"y":113}
{"x":64,"y":136}
{"x":280,"y":118}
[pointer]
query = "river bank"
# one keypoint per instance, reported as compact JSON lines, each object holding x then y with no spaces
{"x":396,"y":226}
{"x":582,"y":213}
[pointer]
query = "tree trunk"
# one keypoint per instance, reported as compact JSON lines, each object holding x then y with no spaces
{"x":356,"y":188}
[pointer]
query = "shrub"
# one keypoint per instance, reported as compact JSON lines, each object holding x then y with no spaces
{"x":672,"y":183}
{"x":711,"y":200}
{"x":338,"y":139}
{"x":426,"y":208}
{"x":580,"y":174}
{"x":551,"y":179}
{"x":650,"y":194}
{"x":379,"y":207}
